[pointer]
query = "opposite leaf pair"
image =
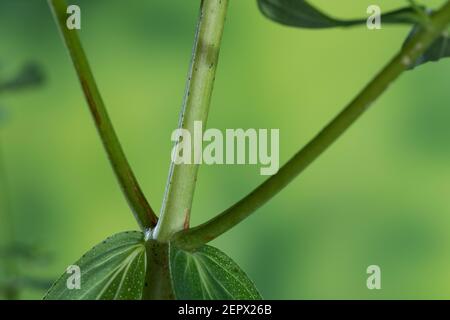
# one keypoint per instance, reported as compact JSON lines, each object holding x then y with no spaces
{"x":116,"y":270}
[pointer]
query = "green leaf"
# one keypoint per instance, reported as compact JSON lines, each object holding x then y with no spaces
{"x":112,"y":270}
{"x":31,"y":75}
{"x":440,"y":48}
{"x":301,"y":14}
{"x":208,"y":274}
{"x":23,"y":252}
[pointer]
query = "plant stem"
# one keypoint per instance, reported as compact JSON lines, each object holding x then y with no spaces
{"x":192,"y":238}
{"x":158,"y":285}
{"x":177,"y":203}
{"x":143,"y":213}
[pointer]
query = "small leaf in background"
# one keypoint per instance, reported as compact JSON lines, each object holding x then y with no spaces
{"x":13,"y":278}
{"x":301,"y":14}
{"x":22,"y":252}
{"x":25,"y":282}
{"x":30,"y":75}
{"x":440,"y":48}
{"x":34,"y":283}
{"x":208,"y":274}
{"x":112,"y":270}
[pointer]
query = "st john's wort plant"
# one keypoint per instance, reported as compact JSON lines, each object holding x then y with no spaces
{"x":169,"y":259}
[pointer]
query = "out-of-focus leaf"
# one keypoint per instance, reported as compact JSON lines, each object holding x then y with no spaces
{"x":208,"y":274}
{"x":301,"y":14}
{"x":112,"y":270}
{"x":34,"y":283}
{"x":30,"y":75}
{"x":440,"y":48}
{"x":25,"y":252}
{"x":23,"y":282}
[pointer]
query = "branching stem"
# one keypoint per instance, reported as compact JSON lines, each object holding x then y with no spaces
{"x":195,"y":237}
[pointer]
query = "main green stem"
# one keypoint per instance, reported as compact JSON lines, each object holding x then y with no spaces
{"x":192,"y":238}
{"x":143,"y":213}
{"x":177,"y":203}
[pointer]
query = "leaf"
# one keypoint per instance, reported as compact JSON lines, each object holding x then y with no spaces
{"x":22,"y":282}
{"x":34,"y":283}
{"x":438,"y":50}
{"x":112,"y":270}
{"x":301,"y":14}
{"x":31,"y":75}
{"x":24,"y":252}
{"x":208,"y":274}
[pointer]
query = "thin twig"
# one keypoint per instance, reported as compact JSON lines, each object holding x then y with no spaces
{"x":143,"y":213}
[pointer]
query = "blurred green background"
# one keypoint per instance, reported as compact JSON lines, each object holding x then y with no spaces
{"x":378,"y":196}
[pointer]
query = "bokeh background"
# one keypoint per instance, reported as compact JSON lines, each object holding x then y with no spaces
{"x":380,"y":195}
